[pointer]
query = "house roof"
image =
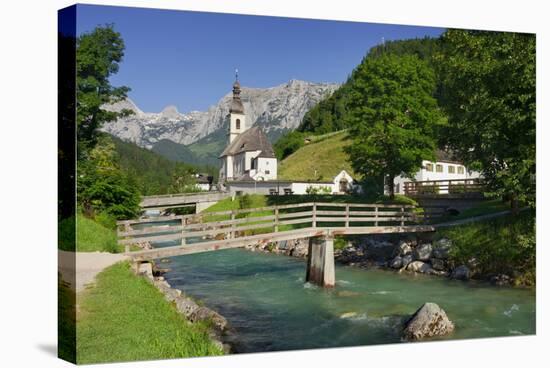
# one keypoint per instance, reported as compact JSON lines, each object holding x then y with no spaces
{"x":446,"y":156}
{"x":253,"y":139}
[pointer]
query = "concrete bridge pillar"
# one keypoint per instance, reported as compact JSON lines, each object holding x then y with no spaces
{"x":320,"y":261}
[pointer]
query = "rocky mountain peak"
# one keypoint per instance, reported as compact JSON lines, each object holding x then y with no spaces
{"x":171,"y":112}
{"x":276,"y":109}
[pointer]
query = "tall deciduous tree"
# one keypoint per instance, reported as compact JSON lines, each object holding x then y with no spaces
{"x":392,"y":117}
{"x":489,"y":94}
{"x":101,"y":185}
{"x":97,"y":58}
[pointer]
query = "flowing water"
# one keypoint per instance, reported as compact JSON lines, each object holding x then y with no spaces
{"x":269,"y":307}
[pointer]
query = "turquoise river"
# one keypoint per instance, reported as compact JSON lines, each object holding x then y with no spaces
{"x":270,"y":308}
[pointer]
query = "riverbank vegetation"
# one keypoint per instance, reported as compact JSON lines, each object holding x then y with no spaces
{"x":504,"y":245}
{"x":124,"y":318}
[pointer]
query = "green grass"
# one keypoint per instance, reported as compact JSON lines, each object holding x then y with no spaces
{"x":321,"y":160}
{"x":502,"y":245}
{"x":93,"y":237}
{"x":484,"y":208}
{"x":125,"y":318}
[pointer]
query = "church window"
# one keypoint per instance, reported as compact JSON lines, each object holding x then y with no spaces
{"x":238,"y":123}
{"x":460,"y":169}
{"x":451,"y":169}
{"x":439,"y":168}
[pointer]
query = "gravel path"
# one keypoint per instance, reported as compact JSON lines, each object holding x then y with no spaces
{"x":88,"y":265}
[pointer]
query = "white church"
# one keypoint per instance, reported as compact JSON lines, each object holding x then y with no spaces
{"x":249,"y":164}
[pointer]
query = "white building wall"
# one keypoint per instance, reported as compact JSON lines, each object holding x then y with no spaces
{"x":267,"y":169}
{"x":302,"y":187}
{"x":258,"y":187}
{"x":345,"y":176}
{"x":426,"y":175}
{"x":233,"y":131}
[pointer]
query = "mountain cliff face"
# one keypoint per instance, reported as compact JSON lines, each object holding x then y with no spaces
{"x":275,"y":109}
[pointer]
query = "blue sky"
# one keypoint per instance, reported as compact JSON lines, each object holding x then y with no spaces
{"x":187,"y":59}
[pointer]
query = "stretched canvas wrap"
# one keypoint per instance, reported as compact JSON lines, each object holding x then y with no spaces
{"x":239,"y":184}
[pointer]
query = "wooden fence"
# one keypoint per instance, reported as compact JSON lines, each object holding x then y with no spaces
{"x":275,"y":219}
{"x":459,"y":186}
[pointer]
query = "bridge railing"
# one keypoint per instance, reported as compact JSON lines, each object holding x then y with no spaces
{"x":458,"y":186}
{"x":233,"y":224}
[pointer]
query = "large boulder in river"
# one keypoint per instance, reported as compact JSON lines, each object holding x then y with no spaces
{"x":419,"y":266}
{"x":405,"y":260}
{"x":428,"y":321}
{"x":423,"y":252}
{"x":397,"y":262}
{"x":461,"y":273}
{"x":403,"y":248}
{"x":438,"y":264}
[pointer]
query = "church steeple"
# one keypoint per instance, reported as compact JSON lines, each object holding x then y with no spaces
{"x":236,"y":103}
{"x":236,"y":111}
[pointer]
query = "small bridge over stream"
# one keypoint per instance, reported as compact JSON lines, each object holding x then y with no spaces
{"x":200,"y":200}
{"x":318,"y":221}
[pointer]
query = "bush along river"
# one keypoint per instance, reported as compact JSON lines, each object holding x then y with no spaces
{"x":269,"y":307}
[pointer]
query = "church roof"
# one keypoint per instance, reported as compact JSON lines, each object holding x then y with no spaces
{"x":236,"y":106}
{"x":253,"y":139}
{"x":236,"y":103}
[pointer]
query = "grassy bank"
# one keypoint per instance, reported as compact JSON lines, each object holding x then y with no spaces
{"x":321,"y":159}
{"x":486,"y":207}
{"x":124,"y":318}
{"x":504,"y":245}
{"x":92,"y":236}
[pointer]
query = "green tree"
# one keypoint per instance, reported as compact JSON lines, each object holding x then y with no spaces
{"x":489,"y":95}
{"x":392,"y":117}
{"x":98,"y":56}
{"x":102,"y":187}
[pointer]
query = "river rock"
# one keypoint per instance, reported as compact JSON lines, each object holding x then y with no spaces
{"x":403,"y":248}
{"x":419,"y":266}
{"x":441,"y":248}
{"x":501,"y":280}
{"x":203,"y":314}
{"x":429,"y":320}
{"x":438,"y":264}
{"x":423,"y":252}
{"x":397,"y":262}
{"x":405,"y":260}
{"x":461,"y":273}
{"x":186,"y":306}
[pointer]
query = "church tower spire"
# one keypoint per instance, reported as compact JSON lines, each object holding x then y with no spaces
{"x":237,"y":122}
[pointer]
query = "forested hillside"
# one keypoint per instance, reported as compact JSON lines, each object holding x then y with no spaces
{"x":330,"y":114}
{"x":152,"y":173}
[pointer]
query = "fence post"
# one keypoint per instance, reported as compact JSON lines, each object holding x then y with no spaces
{"x":232,"y":232}
{"x":347,"y":215}
{"x":183,"y":223}
{"x":402,"y":216}
{"x":375,"y":215}
{"x":276,"y":219}
{"x":314,"y":221}
{"x":127,"y":228}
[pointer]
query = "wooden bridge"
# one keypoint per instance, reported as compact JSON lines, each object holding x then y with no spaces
{"x":318,"y":221}
{"x":163,"y":202}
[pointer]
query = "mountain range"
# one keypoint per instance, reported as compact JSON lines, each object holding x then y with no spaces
{"x":276,"y":109}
